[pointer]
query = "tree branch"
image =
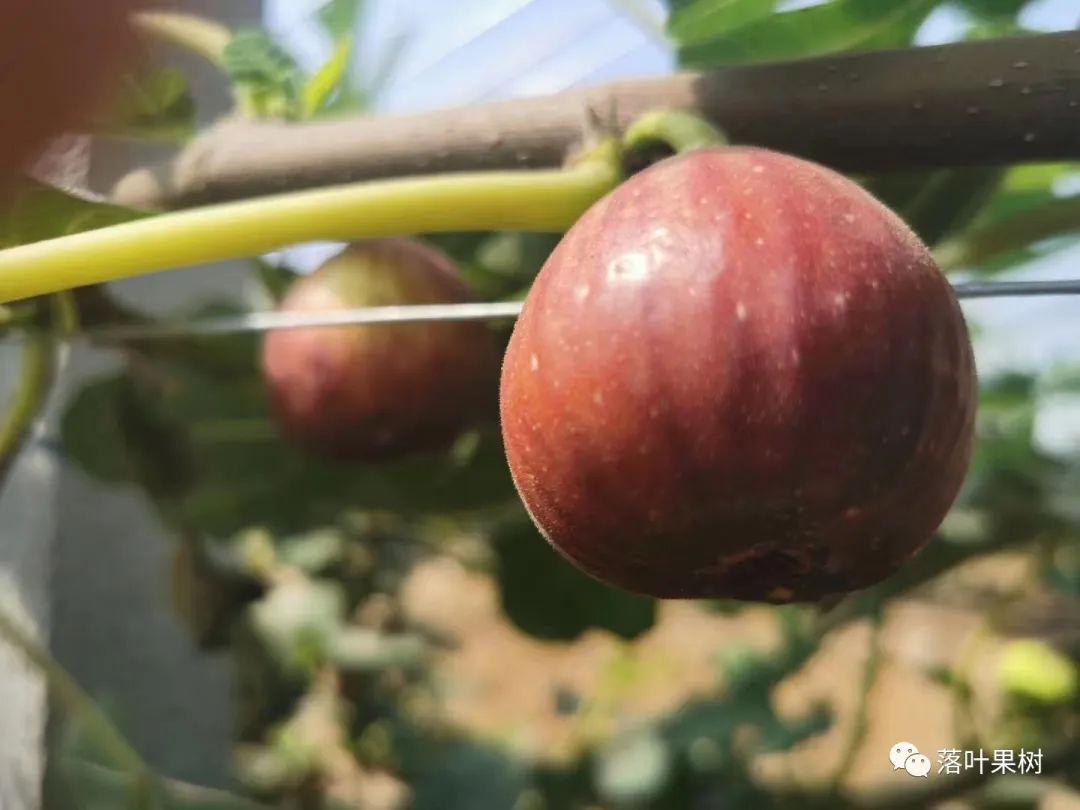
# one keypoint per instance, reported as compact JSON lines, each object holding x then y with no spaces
{"x":993,"y":102}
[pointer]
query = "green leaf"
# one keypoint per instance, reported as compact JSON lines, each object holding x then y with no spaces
{"x":993,"y":8}
{"x":299,"y":621}
{"x":266,"y":75}
{"x":547,"y":597}
{"x":116,"y":435}
{"x":839,"y":25}
{"x":156,"y":106}
{"x":1035,"y":671}
{"x":329,"y":79}
{"x":938,"y":204}
{"x":196,"y":425}
{"x":340,"y":18}
{"x":458,"y":774}
{"x":634,"y":768}
{"x":41,"y":212}
{"x":696,"y":21}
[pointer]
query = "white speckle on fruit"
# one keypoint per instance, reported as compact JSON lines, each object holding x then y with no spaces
{"x":747,"y":215}
{"x":581,"y":292}
{"x":633,"y":266}
{"x":740,"y":311}
{"x":760,"y":241}
{"x":654,"y":412}
{"x":598,"y":397}
{"x":795,"y":357}
{"x":534,"y":362}
{"x":758,"y":168}
{"x":840,"y":300}
{"x":849,"y":218}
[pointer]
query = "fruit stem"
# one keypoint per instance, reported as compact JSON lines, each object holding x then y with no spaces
{"x":540,"y":200}
{"x":680,"y":130}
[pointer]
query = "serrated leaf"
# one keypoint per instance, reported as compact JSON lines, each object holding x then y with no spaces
{"x":547,"y":597}
{"x":839,"y":25}
{"x":153,"y":106}
{"x":268,"y":77}
{"x":40,"y":212}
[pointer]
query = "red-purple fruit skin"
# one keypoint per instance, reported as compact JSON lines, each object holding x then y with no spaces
{"x":60,"y":60}
{"x":739,"y":376}
{"x":380,"y":391}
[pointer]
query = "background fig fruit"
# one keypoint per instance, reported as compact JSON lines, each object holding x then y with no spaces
{"x":374,"y":392}
{"x":739,"y":376}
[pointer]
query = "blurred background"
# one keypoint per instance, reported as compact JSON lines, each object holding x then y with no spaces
{"x":533,"y":687}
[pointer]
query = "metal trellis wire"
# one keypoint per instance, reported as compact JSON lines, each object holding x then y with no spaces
{"x":430,"y":313}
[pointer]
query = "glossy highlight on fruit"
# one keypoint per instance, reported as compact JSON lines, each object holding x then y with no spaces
{"x":61,"y":60}
{"x":379,"y":391}
{"x":739,"y":376}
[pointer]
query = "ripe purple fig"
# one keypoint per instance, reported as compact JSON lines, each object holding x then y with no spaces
{"x":739,"y":376}
{"x":379,"y":391}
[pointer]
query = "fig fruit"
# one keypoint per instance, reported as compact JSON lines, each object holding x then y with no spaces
{"x":61,"y":59}
{"x":740,"y":376}
{"x":379,"y":391}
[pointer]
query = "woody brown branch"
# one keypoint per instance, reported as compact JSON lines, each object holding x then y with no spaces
{"x":996,"y":102}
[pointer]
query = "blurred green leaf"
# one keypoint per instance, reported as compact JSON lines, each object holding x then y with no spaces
{"x":358,"y":649}
{"x":634,"y":768}
{"x":329,"y":80}
{"x":1032,"y":670}
{"x":90,"y":786}
{"x":1033,"y":203}
{"x":340,"y":18}
{"x":838,"y":25}
{"x":993,"y":8}
{"x":696,"y":21}
{"x":41,"y":211}
{"x":298,"y":620}
{"x":268,"y":77}
{"x":547,"y":597}
{"x":937,"y":204}
{"x":117,"y":436}
{"x":457,"y":774}
{"x":154,"y":106}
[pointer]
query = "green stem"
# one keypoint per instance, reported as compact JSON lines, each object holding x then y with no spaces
{"x":36,"y":376}
{"x":77,"y":702}
{"x":546,"y":201}
{"x":682,"y":131}
{"x":196,"y":34}
{"x":860,"y":723}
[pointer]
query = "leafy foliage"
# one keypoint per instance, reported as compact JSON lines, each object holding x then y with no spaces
{"x":155,"y":105}
{"x":40,"y":211}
